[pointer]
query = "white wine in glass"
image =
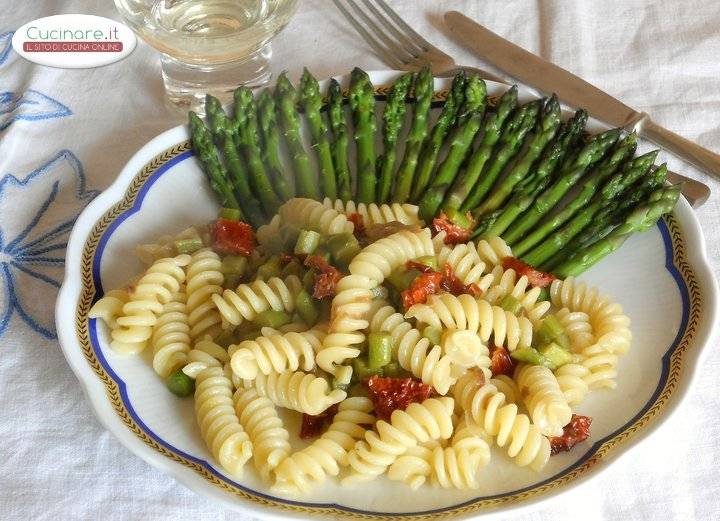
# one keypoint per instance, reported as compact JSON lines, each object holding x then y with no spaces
{"x":209,"y":46}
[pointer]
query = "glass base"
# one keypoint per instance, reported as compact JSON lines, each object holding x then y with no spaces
{"x":187,"y":84}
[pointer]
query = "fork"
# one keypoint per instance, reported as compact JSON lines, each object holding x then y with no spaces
{"x":397,"y":43}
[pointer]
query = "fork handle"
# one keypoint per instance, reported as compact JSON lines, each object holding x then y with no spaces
{"x":694,"y":154}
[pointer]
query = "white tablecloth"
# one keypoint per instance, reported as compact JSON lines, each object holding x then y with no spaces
{"x":62,"y":128}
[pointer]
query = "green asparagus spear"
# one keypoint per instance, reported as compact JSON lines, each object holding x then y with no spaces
{"x":492,"y":129}
{"x":432,"y":145}
{"x":282,"y":181}
{"x":607,"y":167}
{"x":248,"y":139}
{"x":494,"y":225}
{"x":571,"y":173}
{"x":460,"y":145}
{"x":223,"y":132}
{"x":609,"y":217}
{"x":423,"y":91}
{"x":362,"y":103}
{"x":311,"y":103}
{"x":286,"y":99}
{"x":474,"y":99}
{"x":339,"y":148}
{"x":546,"y":129}
{"x":614,"y":190}
{"x":393,"y":118}
{"x":510,"y":142}
{"x":660,"y":202}
{"x":205,"y":151}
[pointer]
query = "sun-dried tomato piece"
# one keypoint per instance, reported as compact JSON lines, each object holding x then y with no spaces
{"x":500,"y":361}
{"x":455,"y":234}
{"x":359,"y":230}
{"x":536,"y":278}
{"x":232,"y":237}
{"x":313,"y":425}
{"x":326,"y":276}
{"x":574,"y":432}
{"x":424,"y":285}
{"x":389,"y":394}
{"x":454,"y":285}
{"x":418,"y":266}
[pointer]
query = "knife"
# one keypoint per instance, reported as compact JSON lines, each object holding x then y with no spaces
{"x":548,"y":77}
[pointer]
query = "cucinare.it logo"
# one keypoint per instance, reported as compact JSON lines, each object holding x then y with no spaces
{"x":74,"y":41}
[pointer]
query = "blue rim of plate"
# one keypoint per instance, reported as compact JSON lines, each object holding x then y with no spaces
{"x":675,"y":262}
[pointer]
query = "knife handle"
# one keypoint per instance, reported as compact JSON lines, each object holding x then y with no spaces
{"x":696,"y":155}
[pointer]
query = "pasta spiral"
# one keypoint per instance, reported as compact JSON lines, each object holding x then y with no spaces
{"x":204,"y":354}
{"x":492,"y":251}
{"x":155,"y":288}
{"x":507,"y":282}
{"x":466,"y":264}
{"x":377,"y":260}
{"x":171,"y":336}
{"x":507,"y":386}
{"x":420,"y":422}
{"x":577,"y":327}
{"x":308,"y":213}
{"x":270,"y":439}
{"x":204,"y":279}
{"x":572,"y":379}
{"x":477,"y":315}
{"x":434,"y":365}
{"x":543,"y":398}
{"x":376,"y":214}
{"x":219,"y":425}
{"x":486,"y":406}
{"x":309,"y":466}
{"x":302,"y":392}
{"x":109,"y":307}
{"x":602,"y":365}
{"x":250,"y":299}
{"x":276,"y":352}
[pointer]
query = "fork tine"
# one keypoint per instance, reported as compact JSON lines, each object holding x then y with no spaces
{"x":419,"y":40}
{"x":400,"y":53}
{"x":377,"y":46}
{"x":406,"y":42}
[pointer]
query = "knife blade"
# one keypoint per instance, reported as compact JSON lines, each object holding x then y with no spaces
{"x":548,"y":77}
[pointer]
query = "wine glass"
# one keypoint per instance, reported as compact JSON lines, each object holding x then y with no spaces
{"x":209,"y":46}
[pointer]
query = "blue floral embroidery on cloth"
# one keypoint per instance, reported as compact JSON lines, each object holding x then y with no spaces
{"x":5,"y":46}
{"x":30,"y":105}
{"x":36,"y":215}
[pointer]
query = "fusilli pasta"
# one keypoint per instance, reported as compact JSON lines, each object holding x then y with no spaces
{"x":377,"y":214}
{"x":309,"y":466}
{"x":477,"y":315}
{"x":506,"y":282}
{"x":205,"y":353}
{"x":492,"y":251}
{"x":204,"y":279}
{"x":466,"y":264}
{"x":543,"y":398}
{"x":577,"y":327}
{"x":109,"y":307}
{"x":171,"y":336}
{"x":302,"y":392}
{"x":270,"y":439}
{"x":219,"y":425}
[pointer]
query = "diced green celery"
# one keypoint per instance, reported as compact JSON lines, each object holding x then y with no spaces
{"x":232,"y":281}
{"x":343,"y":247}
{"x":511,"y":304}
{"x":379,"y":292}
{"x":530,"y":355}
{"x":433,"y":334}
{"x":556,"y":354}
{"x":180,"y":384}
{"x":234,"y":264}
{"x":248,"y":334}
{"x":549,"y":330}
{"x":393,"y":370}
{"x":306,"y":308}
{"x":394,"y":296}
{"x":272,"y":318}
{"x":292,"y":268}
{"x":322,"y":252}
{"x":231,"y":214}
{"x":307,"y":242}
{"x":428,"y":260}
{"x":308,"y":281}
{"x":544,"y":294}
{"x":362,"y":371}
{"x":225,"y":338}
{"x":188,"y":245}
{"x":380,"y":349}
{"x":402,"y":278}
{"x":271,"y":268}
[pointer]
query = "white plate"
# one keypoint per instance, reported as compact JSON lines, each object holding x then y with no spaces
{"x":661,"y":278}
